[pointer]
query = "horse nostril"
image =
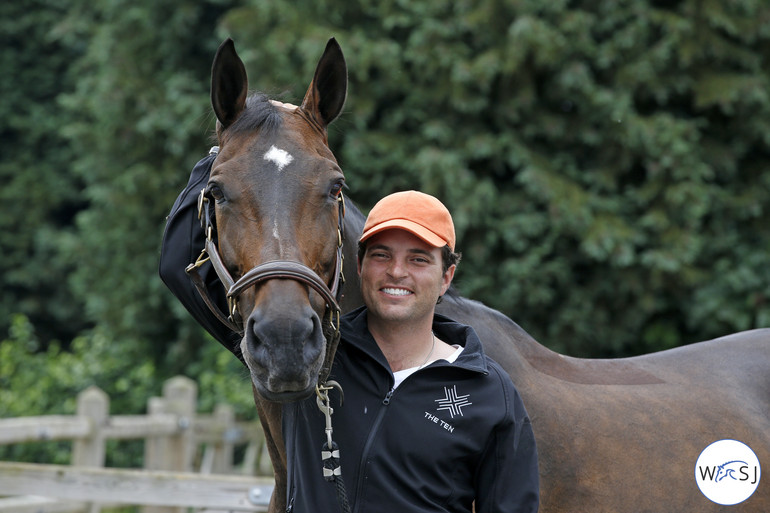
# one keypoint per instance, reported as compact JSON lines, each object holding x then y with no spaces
{"x":253,"y":341}
{"x":281,"y":338}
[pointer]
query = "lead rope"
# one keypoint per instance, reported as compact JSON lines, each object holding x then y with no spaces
{"x":330,"y":452}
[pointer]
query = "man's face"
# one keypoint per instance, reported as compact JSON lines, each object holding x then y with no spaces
{"x":401,"y":277}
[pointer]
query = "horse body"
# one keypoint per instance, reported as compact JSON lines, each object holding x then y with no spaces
{"x":613,"y":435}
{"x":624,"y":434}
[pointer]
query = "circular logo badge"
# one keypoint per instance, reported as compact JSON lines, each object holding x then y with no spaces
{"x":727,"y":472}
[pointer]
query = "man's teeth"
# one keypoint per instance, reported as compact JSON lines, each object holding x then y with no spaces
{"x":396,"y":292}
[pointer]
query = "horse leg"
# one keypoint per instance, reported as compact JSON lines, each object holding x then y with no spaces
{"x":270,"y":417}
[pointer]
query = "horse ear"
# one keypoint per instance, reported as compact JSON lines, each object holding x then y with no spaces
{"x":229,"y":84}
{"x":326,"y":95}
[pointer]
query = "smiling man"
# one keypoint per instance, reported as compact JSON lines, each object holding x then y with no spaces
{"x":429,"y":422}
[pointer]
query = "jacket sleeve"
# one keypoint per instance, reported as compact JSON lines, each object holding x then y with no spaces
{"x":182,"y":242}
{"x":508,"y":480}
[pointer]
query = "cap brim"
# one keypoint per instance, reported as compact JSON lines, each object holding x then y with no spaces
{"x":404,"y":224}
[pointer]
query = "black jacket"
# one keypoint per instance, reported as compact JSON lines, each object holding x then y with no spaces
{"x":183,"y":240}
{"x":448,"y":435}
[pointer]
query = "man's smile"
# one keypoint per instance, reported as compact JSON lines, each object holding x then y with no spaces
{"x":396,"y":291}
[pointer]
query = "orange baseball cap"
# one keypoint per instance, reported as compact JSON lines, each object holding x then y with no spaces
{"x":416,"y":212}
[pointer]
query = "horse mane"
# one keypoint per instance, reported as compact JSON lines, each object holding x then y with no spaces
{"x":259,"y":114}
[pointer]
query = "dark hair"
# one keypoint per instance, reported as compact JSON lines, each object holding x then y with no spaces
{"x":259,"y":113}
{"x":448,"y":257}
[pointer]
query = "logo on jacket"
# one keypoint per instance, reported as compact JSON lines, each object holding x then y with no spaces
{"x":453,"y":402}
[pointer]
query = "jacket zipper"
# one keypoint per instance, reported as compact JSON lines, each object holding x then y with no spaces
{"x":368,"y":446}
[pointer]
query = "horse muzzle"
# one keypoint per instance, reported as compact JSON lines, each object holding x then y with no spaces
{"x":284,"y":350}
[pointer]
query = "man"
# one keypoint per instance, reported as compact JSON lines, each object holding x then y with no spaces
{"x":429,"y":423}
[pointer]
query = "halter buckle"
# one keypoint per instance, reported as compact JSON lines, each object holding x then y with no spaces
{"x":202,"y":259}
{"x":232,"y":306}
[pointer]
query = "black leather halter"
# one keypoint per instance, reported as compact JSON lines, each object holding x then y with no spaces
{"x":278,"y":269}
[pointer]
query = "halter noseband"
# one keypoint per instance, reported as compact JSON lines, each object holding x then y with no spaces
{"x":278,"y":269}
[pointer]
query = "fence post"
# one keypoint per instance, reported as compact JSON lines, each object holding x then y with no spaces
{"x":94,"y":404}
{"x":155,"y":447}
{"x":180,"y":396}
{"x":223,"y":459}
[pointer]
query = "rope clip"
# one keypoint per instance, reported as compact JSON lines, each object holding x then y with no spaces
{"x":324,"y":404}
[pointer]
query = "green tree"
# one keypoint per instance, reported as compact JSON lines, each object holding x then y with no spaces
{"x":39,"y":195}
{"x":139,"y":120}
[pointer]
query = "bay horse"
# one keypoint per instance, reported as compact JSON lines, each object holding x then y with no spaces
{"x":614,"y":435}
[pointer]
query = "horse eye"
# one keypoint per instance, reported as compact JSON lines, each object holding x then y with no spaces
{"x":215,"y":192}
{"x":336,"y":190}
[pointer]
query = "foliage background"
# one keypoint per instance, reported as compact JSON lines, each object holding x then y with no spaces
{"x":606,"y":163}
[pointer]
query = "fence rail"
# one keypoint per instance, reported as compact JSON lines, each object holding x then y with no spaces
{"x":188,"y":458}
{"x":123,"y":486}
{"x":61,"y":427}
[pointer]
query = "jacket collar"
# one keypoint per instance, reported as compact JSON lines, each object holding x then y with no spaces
{"x":355,"y":331}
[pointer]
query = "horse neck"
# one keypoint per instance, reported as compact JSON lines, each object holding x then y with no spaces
{"x":503,"y":340}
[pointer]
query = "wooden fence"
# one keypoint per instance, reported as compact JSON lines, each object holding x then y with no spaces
{"x":188,"y":459}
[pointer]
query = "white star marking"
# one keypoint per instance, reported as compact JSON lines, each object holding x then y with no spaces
{"x":279,"y":157}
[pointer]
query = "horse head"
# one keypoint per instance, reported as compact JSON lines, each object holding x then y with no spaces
{"x":276,"y":191}
{"x":729,"y":469}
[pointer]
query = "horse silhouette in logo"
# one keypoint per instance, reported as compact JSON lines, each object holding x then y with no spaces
{"x":725,"y":470}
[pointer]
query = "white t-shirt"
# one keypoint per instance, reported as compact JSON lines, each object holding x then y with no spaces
{"x":405,"y":373}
